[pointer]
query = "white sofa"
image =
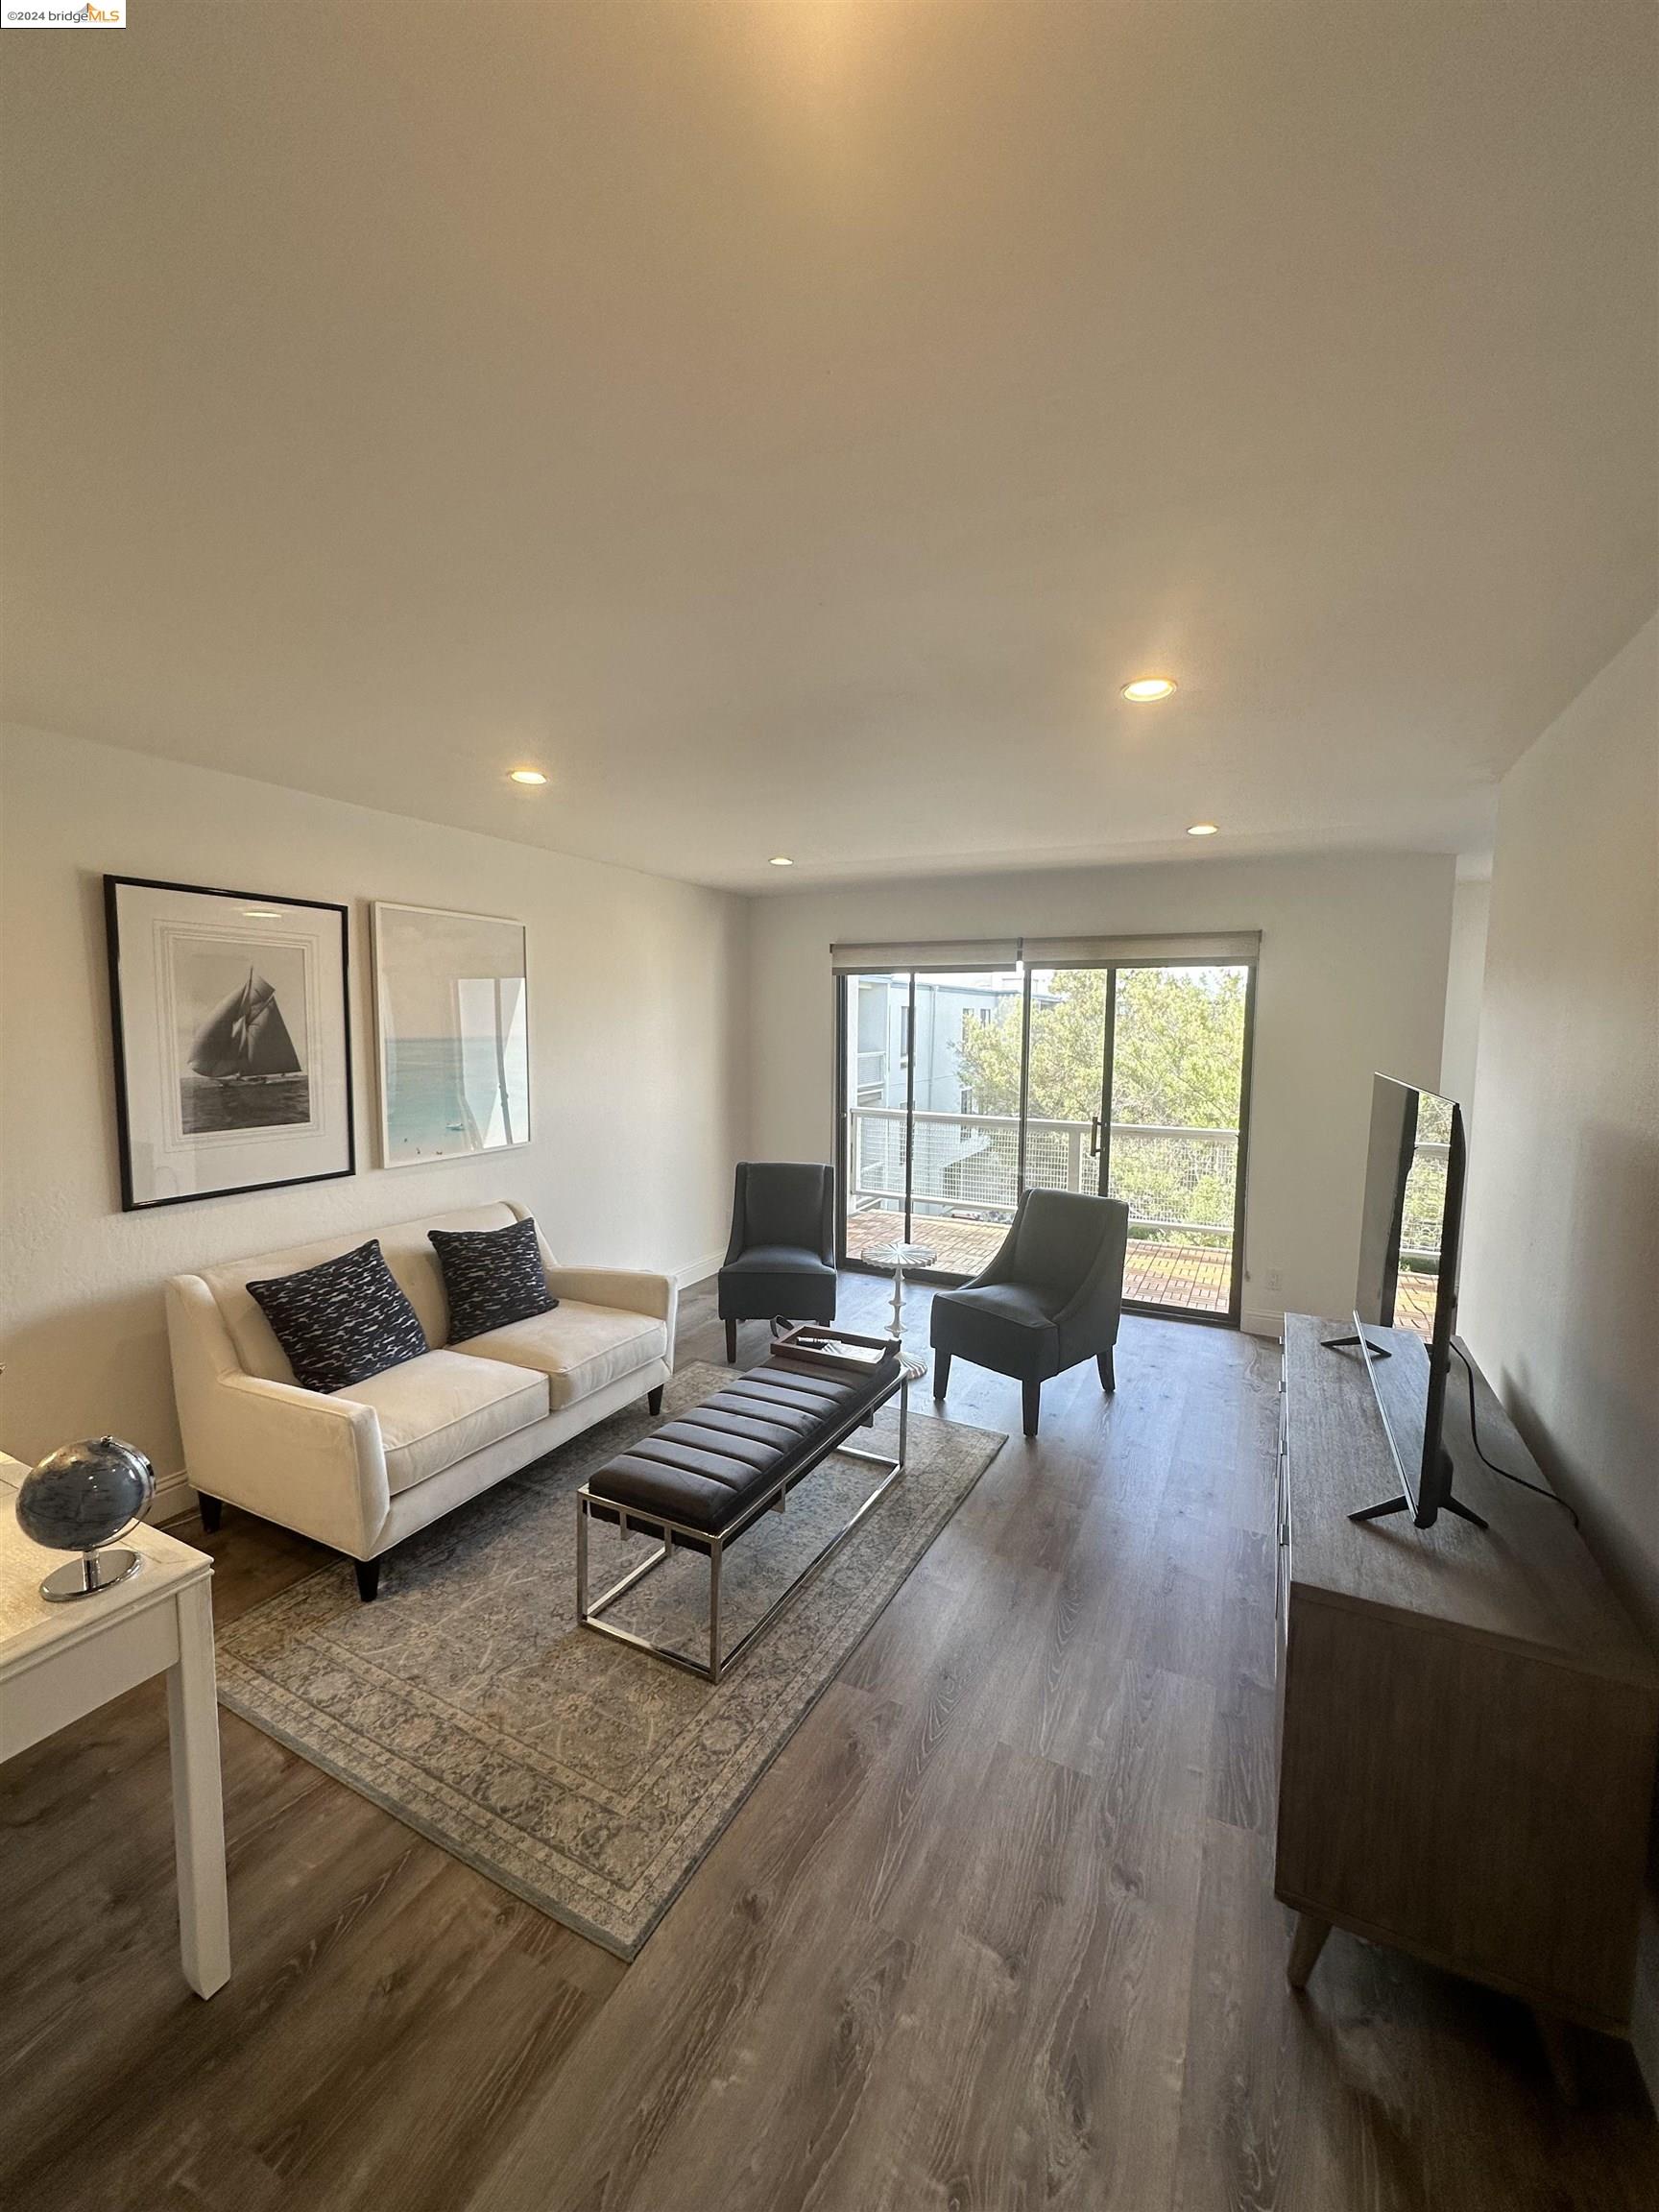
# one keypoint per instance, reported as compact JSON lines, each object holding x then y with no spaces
{"x":367,"y":1466}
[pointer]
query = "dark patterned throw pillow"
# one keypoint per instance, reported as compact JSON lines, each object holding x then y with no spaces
{"x":343,"y":1321}
{"x":493,"y":1276}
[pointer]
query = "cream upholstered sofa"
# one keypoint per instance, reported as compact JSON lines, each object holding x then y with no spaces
{"x":369,"y":1465}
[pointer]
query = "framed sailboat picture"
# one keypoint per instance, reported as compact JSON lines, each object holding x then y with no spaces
{"x":232,"y":1033}
{"x":452,"y":1005}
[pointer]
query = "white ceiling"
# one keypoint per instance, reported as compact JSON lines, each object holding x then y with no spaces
{"x":790,"y":425}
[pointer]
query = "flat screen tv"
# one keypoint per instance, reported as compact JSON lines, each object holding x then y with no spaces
{"x":1406,"y":1303}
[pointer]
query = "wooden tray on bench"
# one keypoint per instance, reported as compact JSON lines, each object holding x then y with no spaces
{"x":841,"y":1351}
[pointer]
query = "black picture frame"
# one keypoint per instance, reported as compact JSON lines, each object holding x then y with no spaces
{"x":131,"y":1201}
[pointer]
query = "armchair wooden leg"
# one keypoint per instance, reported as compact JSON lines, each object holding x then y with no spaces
{"x":367,"y":1579}
{"x":1108,"y":1372}
{"x":1560,"y":2043}
{"x":212,"y":1512}
{"x":1032,"y":1392}
{"x":730,"y":1343}
{"x":654,"y":1399}
{"x":941,"y":1373}
{"x":1305,"y":1946}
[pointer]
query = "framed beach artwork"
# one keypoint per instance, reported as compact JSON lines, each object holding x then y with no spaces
{"x":453,"y":1014}
{"x":232,"y":1034}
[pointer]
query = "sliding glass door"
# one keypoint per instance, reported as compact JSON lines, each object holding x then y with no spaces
{"x":1069,"y":1079}
{"x":920,"y":1161}
{"x":961,"y":1087}
{"x":1179,"y":1066}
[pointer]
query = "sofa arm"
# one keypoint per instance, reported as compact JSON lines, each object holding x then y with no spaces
{"x":635,"y":1292}
{"x":634,"y":1289}
{"x":312,"y":1462}
{"x":303,"y":1459}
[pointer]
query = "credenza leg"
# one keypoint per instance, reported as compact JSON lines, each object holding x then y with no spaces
{"x":1305,"y":1946}
{"x":1560,"y":2047}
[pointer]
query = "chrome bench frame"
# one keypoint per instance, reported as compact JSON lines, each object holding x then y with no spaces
{"x":770,"y":1499}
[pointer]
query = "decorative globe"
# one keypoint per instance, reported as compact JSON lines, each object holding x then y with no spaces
{"x":84,"y":1494}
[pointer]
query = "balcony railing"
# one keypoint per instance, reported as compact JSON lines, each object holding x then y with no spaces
{"x":1180,"y":1185}
{"x":1425,"y":1202}
{"x":1177,"y":1183}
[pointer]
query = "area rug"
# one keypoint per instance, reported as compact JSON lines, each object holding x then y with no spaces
{"x":586,"y":1777}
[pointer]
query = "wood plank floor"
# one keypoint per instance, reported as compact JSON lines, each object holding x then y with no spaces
{"x":995,"y":1932}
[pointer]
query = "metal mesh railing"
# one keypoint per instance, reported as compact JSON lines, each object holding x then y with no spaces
{"x":1180,"y":1183}
{"x":1425,"y":1203}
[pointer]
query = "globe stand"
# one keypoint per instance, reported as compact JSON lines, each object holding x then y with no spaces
{"x":80,"y":1499}
{"x":92,"y":1572}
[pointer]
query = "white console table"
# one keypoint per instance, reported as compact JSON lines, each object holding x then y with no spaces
{"x":58,"y":1662}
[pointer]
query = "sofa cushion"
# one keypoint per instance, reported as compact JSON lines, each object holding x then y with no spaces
{"x":1003,"y":1326}
{"x":1015,"y":1304}
{"x":444,"y":1407}
{"x":341,"y":1321}
{"x":775,"y":1260}
{"x":579,"y":1348}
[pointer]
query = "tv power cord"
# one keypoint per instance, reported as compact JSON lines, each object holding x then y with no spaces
{"x":1474,"y":1435}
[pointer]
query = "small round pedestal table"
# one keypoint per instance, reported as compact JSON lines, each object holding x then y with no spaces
{"x":898,"y":1257}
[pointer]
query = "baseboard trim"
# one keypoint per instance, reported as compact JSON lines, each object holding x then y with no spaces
{"x":1263,"y":1321}
{"x":701,"y":1270}
{"x":174,"y":1498}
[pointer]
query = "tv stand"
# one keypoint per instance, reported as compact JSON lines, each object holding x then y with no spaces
{"x":1467,"y":1726}
{"x":1404,"y":1506}
{"x":1445,"y":1501}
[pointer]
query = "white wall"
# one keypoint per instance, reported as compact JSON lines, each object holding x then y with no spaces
{"x":1560,"y":1295}
{"x":1465,"y":981}
{"x":1560,"y":1298}
{"x":1353,"y":978}
{"x":640,"y":1062}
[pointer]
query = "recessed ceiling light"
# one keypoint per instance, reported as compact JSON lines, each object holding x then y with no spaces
{"x":527,"y":776}
{"x":781,"y":860}
{"x":262,"y":913}
{"x":1202,"y":828}
{"x":1146,"y":688}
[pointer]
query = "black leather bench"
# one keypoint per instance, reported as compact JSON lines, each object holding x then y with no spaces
{"x":708,"y":1475}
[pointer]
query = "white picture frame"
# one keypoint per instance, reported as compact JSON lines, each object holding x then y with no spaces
{"x":452,"y":1034}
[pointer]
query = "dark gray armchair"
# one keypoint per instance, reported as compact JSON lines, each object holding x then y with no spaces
{"x":1050,"y":1297}
{"x":781,"y":1256}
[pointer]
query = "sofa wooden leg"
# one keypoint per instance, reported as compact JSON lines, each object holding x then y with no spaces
{"x":1033,"y":1393}
{"x":212,"y":1512}
{"x":654,"y":1399}
{"x":367,"y":1579}
{"x":1108,"y":1372}
{"x":941,"y":1373}
{"x":730,"y":1343}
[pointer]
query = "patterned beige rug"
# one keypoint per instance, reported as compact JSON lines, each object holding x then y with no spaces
{"x":586,"y":1777}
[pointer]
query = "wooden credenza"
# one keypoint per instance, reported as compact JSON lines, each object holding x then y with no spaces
{"x":1467,"y":1721}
